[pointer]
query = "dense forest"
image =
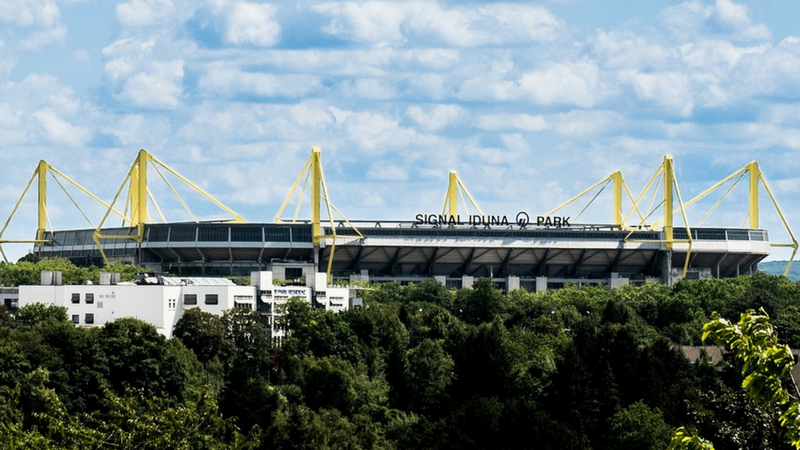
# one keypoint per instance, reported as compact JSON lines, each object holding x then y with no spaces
{"x":418,"y":367}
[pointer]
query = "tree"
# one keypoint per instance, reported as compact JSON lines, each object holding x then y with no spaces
{"x":137,"y":420}
{"x":205,"y":334}
{"x":428,"y":374}
{"x":765,"y":364}
{"x":30,"y":315}
{"x":481,"y":303}
{"x":137,"y":358}
{"x":684,"y":439}
{"x":638,"y":427}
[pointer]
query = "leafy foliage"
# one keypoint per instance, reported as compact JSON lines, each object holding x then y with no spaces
{"x":765,"y":364}
{"x":419,"y":366}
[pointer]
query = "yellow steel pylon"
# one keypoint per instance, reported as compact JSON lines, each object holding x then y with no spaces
{"x":619,"y":186}
{"x":137,"y":200}
{"x":755,"y":180}
{"x":43,"y":169}
{"x":665,"y":174}
{"x":312,"y":171}
{"x":450,"y":207}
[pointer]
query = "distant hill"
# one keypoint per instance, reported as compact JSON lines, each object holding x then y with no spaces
{"x":777,"y":268}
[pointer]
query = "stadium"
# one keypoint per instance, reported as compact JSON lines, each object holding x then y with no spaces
{"x":517,"y":250}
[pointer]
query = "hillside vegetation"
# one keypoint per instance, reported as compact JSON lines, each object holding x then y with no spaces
{"x":778,"y":267}
{"x":418,"y":367}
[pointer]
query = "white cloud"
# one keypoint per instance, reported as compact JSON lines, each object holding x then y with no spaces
{"x":394,"y":23}
{"x":12,"y":125}
{"x":693,"y":18}
{"x":60,"y":131}
{"x":130,"y":46}
{"x":524,"y":122}
{"x":670,"y":90}
{"x":9,"y":115}
{"x":137,"y":13}
{"x":39,"y":20}
{"x":222,"y":79}
{"x":390,"y":172}
{"x":159,"y":86}
{"x":622,"y":49}
{"x":733,"y":17}
{"x":574,"y":83}
{"x":516,"y":143}
{"x":130,"y":129}
{"x":716,"y":54}
{"x":37,"y":92}
{"x":253,"y":24}
{"x":370,"y":88}
{"x":495,"y":84}
{"x":377,"y":134}
{"x":586,"y":123}
{"x":437,"y":116}
{"x":25,"y":13}
{"x":44,"y":37}
{"x":310,"y":115}
{"x":127,"y":57}
{"x":774,"y":71}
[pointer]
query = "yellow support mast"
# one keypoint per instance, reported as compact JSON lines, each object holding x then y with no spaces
{"x":450,"y":207}
{"x":755,"y":174}
{"x":619,"y":186}
{"x":616,"y":178}
{"x":138,"y":193}
{"x":319,"y":192}
{"x":40,"y":174}
{"x":755,"y":180}
{"x":317,"y":181}
{"x":669,"y":180}
{"x":666,"y":176}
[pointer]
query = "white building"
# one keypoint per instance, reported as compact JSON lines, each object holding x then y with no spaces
{"x":272,"y":295}
{"x":9,"y":297}
{"x":161,"y":301}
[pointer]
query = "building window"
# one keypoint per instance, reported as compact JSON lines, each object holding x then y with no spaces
{"x":89,"y":298}
{"x":76,"y":298}
{"x":173,"y":303}
{"x":190,"y":299}
{"x":293,"y":273}
{"x":243,"y":298}
{"x":89,"y":318}
{"x":212,"y":299}
{"x":76,"y":319}
{"x":238,"y":305}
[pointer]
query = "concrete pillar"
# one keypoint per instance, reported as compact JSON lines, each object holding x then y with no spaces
{"x":261,"y":279}
{"x":666,"y":268}
{"x":541,"y":284}
{"x":512,"y":283}
{"x":617,"y":282}
{"x":467,"y":281}
{"x":363,"y":277}
{"x":441,"y":279}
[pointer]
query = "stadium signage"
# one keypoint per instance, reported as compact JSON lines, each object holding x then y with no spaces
{"x":522,"y":219}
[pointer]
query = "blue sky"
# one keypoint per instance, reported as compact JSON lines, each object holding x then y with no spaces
{"x":529,"y":102}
